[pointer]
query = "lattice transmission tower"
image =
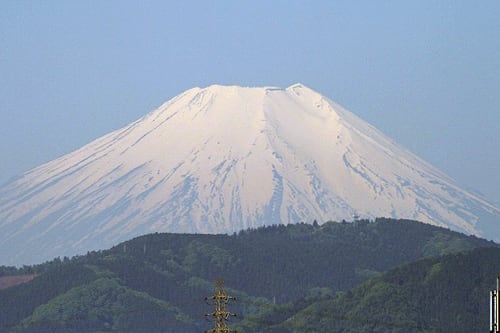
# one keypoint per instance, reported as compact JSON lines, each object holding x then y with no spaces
{"x":220,"y":314}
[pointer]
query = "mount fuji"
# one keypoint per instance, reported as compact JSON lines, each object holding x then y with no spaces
{"x":225,"y":158}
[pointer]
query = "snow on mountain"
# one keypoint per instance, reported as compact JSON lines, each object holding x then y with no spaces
{"x":221,"y":159}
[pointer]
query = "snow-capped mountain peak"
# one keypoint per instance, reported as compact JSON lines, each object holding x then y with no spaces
{"x":221,"y":159}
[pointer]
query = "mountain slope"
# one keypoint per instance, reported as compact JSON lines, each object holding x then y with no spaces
{"x":157,"y":282}
{"x":222,"y":159}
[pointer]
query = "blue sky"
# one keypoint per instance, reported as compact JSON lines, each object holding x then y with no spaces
{"x":426,"y":73}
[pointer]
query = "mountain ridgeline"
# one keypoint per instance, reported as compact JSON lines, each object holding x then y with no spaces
{"x":295,"y":278}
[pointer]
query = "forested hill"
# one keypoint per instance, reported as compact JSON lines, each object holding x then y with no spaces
{"x":445,"y":294}
{"x":157,"y":282}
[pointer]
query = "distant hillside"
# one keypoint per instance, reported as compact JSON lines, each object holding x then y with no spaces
{"x":14,"y":280}
{"x":445,"y":294}
{"x":156,"y":283}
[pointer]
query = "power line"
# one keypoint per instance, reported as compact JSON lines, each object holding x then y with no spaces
{"x":170,"y":321}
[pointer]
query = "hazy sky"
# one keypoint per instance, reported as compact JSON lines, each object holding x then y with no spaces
{"x":426,"y":73}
